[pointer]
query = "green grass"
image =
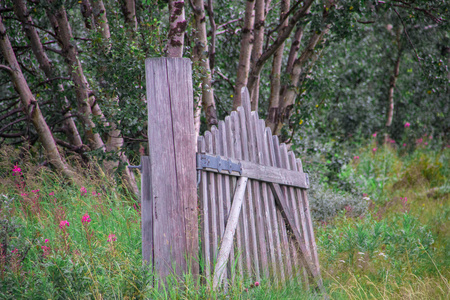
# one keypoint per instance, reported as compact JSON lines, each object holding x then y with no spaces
{"x":397,"y":250}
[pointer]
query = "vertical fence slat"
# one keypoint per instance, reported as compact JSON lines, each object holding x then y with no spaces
{"x":268,"y":151}
{"x":227,"y":192}
{"x":147,"y":211}
{"x":204,"y":219}
{"x":214,"y":233}
{"x":309,"y":226}
{"x":238,"y":151}
{"x":261,"y":145}
{"x":290,"y":199}
{"x":249,"y":197}
{"x":217,"y":149}
{"x":299,"y":214}
{"x":257,"y":202}
{"x":276,"y":156}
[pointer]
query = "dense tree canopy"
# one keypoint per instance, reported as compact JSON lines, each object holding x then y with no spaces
{"x":72,"y":72}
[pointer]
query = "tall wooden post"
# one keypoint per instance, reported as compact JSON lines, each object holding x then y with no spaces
{"x":170,"y":220}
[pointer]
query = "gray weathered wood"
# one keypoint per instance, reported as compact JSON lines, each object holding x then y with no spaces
{"x":268,"y":151}
{"x":257,"y":200}
{"x":286,"y":244}
{"x":267,"y":173}
{"x":146,"y":212}
{"x":172,"y":165}
{"x":214,"y":232}
{"x":227,"y":240}
{"x":249,"y":197}
{"x":238,"y":152}
{"x":303,"y":253}
{"x":204,"y":217}
{"x":267,"y":220}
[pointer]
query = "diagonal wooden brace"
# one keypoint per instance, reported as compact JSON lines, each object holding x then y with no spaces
{"x":305,"y":257}
{"x":227,"y":240}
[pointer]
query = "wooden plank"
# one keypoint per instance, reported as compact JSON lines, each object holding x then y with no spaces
{"x":228,"y":186}
{"x":290,"y":223}
{"x":227,"y":241}
{"x":309,"y":225}
{"x":249,"y":197}
{"x":291,"y":202}
{"x":245,"y":242}
{"x":146,"y":212}
{"x":276,"y":158}
{"x":204,"y":216}
{"x":182,"y":106}
{"x":258,"y":204}
{"x":262,"y":148}
{"x":264,"y":173}
{"x":213,"y":232}
{"x":278,"y":267}
{"x":168,"y":232}
{"x":217,"y":149}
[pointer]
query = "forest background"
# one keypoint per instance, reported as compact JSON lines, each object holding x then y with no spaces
{"x":347,"y":84}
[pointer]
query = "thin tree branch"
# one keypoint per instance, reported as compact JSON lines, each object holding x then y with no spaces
{"x":407,"y":35}
{"x":228,"y":23}
{"x":12,"y":123}
{"x":6,"y":68}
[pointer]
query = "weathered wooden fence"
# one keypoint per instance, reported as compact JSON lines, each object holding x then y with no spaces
{"x":254,"y":212}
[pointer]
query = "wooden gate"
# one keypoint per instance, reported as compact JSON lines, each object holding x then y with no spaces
{"x":254,"y":213}
{"x":266,"y":231}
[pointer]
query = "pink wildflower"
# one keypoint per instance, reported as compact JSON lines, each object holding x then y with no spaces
{"x":374,"y":135}
{"x":112,"y":238}
{"x":35,"y":191}
{"x":257,"y":283}
{"x":348,"y":208}
{"x":52,"y":194}
{"x":407,"y":125}
{"x":374,"y":149}
{"x":430,"y":137}
{"x":23,"y":194}
{"x":404,"y":144}
{"x":356,"y":157}
{"x":46,"y":241}
{"x":365,"y":195}
{"x":419,"y":141}
{"x":86,"y":218}
{"x":46,"y":250}
{"x":426,"y":143}
{"x":83,"y":191}
{"x":16,"y":170}
{"x":94,"y":193}
{"x":63,"y":224}
{"x":15,"y":251}
{"x":392,"y":141}
{"x":404,"y":200}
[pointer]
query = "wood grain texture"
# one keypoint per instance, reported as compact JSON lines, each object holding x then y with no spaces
{"x":204,"y":215}
{"x":249,"y":199}
{"x":214,"y":231}
{"x":227,"y":241}
{"x":238,"y":152}
{"x":168,"y":213}
{"x":146,"y":212}
{"x":179,"y":72}
{"x":277,"y":221}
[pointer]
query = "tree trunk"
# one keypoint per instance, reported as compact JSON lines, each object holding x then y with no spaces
{"x":283,"y":33}
{"x":275,"y":82}
{"x":129,"y":12}
{"x":86,"y":12}
{"x":257,"y":49}
{"x":101,"y":21}
{"x":245,"y":52}
{"x":393,"y":81}
{"x":45,"y":65}
{"x":61,"y":26}
{"x":31,"y":106}
{"x":299,"y":68}
{"x":201,"y":56}
{"x":177,"y":27}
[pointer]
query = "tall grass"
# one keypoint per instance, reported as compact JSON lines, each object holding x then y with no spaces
{"x":393,"y":249}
